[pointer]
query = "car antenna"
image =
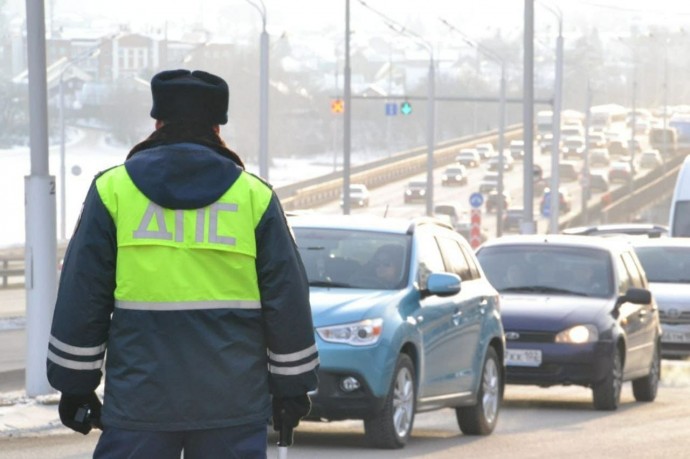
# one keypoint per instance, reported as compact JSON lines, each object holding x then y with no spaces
{"x":385,"y":212}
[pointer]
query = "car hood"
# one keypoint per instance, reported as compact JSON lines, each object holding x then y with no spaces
{"x":550,"y":313}
{"x":332,"y":306}
{"x":671,"y":294}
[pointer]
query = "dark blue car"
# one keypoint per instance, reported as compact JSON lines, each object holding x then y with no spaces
{"x":576,"y":310}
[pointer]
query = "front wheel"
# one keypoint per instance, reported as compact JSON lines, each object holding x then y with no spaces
{"x":607,"y":393}
{"x":645,"y":388}
{"x":481,"y":418}
{"x":391,"y":428}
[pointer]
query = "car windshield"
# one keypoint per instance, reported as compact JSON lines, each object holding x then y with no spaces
{"x":417,"y":185}
{"x":354,"y":258}
{"x":668,"y":264}
{"x":562,"y":270}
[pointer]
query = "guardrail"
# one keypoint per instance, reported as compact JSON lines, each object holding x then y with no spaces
{"x":615,"y":206}
{"x":327,"y":188}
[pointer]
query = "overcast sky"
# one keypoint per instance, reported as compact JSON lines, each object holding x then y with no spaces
{"x":476,"y":17}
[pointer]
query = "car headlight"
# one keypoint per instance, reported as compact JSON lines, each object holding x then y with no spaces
{"x":362,"y":333}
{"x":578,"y":334}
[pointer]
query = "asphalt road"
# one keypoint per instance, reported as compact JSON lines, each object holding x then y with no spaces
{"x":534,"y":423}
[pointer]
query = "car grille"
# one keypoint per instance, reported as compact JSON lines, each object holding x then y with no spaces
{"x":529,"y":337}
{"x":674,"y":316}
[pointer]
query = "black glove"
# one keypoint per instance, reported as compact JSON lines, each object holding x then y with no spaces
{"x":80,"y":412}
{"x":287,"y":411}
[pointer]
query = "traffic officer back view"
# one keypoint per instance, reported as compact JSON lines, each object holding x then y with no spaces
{"x":182,"y":267}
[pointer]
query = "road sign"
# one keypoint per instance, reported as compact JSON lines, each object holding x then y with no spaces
{"x":476,"y":200}
{"x":391,"y":109}
{"x":406,"y":108}
{"x":475,"y":227}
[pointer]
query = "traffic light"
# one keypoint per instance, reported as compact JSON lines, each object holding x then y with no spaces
{"x":405,"y":108}
{"x":337,"y":105}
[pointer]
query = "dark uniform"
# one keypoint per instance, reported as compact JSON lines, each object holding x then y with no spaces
{"x":183,"y":268}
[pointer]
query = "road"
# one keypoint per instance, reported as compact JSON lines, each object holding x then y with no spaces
{"x":534,"y":423}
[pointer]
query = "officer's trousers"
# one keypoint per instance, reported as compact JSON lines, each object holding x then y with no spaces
{"x":240,"y":442}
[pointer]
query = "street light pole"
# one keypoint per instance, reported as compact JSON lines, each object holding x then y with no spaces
{"x":431,"y":102}
{"x":347,"y":115}
{"x":528,"y":223}
{"x":501,"y":122}
{"x":554,"y":196}
{"x":263,"y":91}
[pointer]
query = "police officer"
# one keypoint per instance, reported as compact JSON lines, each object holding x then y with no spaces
{"x":183,"y":269}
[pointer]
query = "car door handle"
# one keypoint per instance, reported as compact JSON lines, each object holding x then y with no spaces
{"x":457,"y":316}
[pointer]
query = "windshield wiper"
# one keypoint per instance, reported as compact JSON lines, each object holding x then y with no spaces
{"x":542,"y":289}
{"x":327,"y":283}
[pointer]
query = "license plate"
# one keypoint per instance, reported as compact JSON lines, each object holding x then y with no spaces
{"x":523,"y":357}
{"x":675,"y":337}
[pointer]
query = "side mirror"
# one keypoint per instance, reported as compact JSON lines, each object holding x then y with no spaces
{"x":634,"y":295}
{"x":442,"y":284}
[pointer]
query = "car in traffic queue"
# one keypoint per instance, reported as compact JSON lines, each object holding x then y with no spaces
{"x":598,"y":182}
{"x":415,"y":191}
{"x":493,"y":163}
{"x":454,"y":175}
{"x":468,"y":157}
{"x":667,"y":264}
{"x":489,"y":182}
{"x":573,"y":147}
{"x":425,"y":336}
{"x":650,"y":159}
{"x":568,"y":171}
{"x":565,"y":201}
{"x":620,"y":171}
{"x":517,"y":149}
{"x":599,"y":157}
{"x":513,"y":219}
{"x":576,"y":311}
{"x":359,"y":195}
{"x":493,"y":200}
{"x":486,"y":150}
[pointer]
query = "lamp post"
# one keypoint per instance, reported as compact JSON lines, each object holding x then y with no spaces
{"x":347,"y":115}
{"x":92,"y":52}
{"x":554,"y":197}
{"x":501,"y":121}
{"x":633,"y":120}
{"x":263,"y":91}
{"x":431,"y":102}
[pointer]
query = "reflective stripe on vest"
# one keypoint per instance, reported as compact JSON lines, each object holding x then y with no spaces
{"x":168,"y":256}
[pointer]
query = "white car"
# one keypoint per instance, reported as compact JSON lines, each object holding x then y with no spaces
{"x":359,"y":195}
{"x":666,"y":260}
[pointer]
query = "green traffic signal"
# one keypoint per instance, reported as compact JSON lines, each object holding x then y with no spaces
{"x":406,"y":108}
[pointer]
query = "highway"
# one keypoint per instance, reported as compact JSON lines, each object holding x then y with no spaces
{"x":388,"y":199}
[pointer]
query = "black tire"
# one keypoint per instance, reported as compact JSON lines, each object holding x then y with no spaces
{"x":607,"y":393}
{"x":392,"y":427}
{"x":481,"y":418}
{"x":645,"y":388}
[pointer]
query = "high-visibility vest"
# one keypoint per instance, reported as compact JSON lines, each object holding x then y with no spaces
{"x":185,"y":259}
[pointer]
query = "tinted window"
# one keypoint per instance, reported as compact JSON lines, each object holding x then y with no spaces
{"x":429,"y":256}
{"x":545,"y":268}
{"x":349,"y":258}
{"x":454,"y":259}
{"x":636,"y":277}
{"x":665,"y":264}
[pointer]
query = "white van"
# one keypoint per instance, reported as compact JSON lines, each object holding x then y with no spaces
{"x":679,"y":222}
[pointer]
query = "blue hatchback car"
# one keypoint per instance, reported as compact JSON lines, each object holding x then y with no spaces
{"x":406,"y":321}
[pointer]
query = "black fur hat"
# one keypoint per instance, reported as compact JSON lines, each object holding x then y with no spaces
{"x":181,"y":95}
